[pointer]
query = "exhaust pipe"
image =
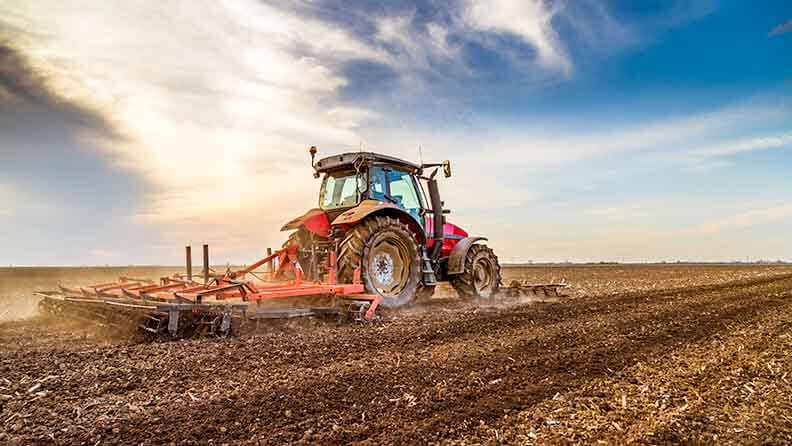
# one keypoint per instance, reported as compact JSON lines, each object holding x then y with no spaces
{"x":438,"y":218}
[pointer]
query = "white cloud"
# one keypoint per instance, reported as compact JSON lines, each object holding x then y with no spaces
{"x":422,"y":47}
{"x":417,"y":50}
{"x":530,"y":20}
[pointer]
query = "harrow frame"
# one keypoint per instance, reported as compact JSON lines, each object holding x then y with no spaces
{"x":177,"y":304}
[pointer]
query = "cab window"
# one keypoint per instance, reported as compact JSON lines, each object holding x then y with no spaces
{"x":397,"y":187}
{"x":341,"y":190}
{"x":379,"y":184}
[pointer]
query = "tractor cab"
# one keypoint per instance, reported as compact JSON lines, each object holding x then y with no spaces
{"x":344,"y":189}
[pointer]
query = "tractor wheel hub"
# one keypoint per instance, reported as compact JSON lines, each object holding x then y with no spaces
{"x":383,"y":268}
{"x":482,"y":275}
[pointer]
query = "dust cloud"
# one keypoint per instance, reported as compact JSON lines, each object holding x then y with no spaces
{"x":18,"y":285}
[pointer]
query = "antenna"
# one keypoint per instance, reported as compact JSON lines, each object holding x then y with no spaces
{"x":420,"y":155}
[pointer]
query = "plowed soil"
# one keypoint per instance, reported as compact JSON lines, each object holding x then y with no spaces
{"x":637,"y":355}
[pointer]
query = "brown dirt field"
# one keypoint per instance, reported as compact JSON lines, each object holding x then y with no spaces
{"x":638,"y":355}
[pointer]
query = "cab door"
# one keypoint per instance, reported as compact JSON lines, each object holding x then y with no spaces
{"x":398,"y":187}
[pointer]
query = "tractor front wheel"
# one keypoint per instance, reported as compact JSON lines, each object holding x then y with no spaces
{"x":481,"y":277}
{"x":388,"y":256}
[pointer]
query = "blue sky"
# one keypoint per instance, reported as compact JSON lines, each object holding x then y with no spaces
{"x":579,"y":130}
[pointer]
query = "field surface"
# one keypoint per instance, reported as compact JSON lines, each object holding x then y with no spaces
{"x":636,"y":355}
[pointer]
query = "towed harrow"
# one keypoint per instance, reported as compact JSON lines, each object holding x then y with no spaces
{"x":180,"y":306}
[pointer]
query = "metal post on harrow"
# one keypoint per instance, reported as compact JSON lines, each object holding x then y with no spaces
{"x":332,"y":277}
{"x":206,"y":264}
{"x":268,"y":266}
{"x":188,"y":259}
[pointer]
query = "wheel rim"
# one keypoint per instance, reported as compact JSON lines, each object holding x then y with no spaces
{"x":389,"y":266}
{"x":483,"y":275}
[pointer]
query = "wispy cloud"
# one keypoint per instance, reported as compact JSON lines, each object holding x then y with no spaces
{"x":596,"y":27}
{"x":643,"y":229}
{"x":530,"y":20}
{"x":781,"y":29}
{"x":622,"y":212}
{"x":435,"y":46}
{"x":26,"y":88}
{"x":744,"y":145}
{"x":413,"y":47}
{"x":517,"y":155}
{"x":541,"y":145}
{"x":727,"y":217}
{"x":747,"y":218}
{"x":47,"y":138}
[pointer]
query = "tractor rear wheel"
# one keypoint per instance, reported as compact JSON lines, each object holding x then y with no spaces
{"x":481,"y":277}
{"x":388,"y":256}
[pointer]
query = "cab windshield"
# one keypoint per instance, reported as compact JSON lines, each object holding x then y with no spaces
{"x":341,"y":189}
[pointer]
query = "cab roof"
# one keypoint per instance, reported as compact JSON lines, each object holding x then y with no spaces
{"x":348,"y":160}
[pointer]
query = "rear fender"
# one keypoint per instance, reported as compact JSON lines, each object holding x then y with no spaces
{"x":456,"y":261}
{"x":368,"y":208}
{"x":314,"y":221}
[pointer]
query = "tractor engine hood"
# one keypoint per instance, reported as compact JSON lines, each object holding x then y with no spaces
{"x":315,"y":221}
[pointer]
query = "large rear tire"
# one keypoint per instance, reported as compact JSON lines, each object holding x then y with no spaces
{"x":481,"y":277}
{"x":389,"y":259}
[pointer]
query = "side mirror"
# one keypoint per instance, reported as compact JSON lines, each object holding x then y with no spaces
{"x":447,"y":168}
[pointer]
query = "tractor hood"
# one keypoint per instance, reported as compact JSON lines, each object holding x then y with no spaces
{"x":314,"y":220}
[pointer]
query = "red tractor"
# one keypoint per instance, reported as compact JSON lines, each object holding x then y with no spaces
{"x":374,"y":213}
